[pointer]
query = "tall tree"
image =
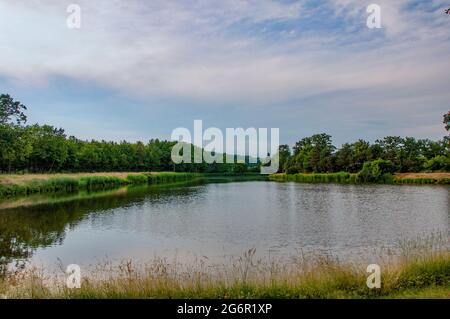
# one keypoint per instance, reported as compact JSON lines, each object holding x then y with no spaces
{"x":284,"y":153}
{"x":10,"y":109}
{"x":447,"y":121}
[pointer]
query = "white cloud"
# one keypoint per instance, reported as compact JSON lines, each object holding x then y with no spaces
{"x":226,"y":50}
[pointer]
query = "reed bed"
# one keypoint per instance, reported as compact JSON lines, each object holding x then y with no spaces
{"x":419,"y":272}
{"x":341,"y":177}
{"x":349,"y":178}
{"x":78,"y":182}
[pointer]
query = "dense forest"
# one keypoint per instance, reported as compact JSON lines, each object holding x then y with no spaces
{"x":43,"y":148}
{"x":318,"y":155}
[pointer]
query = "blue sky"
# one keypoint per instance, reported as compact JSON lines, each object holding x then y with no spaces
{"x":138,"y":69}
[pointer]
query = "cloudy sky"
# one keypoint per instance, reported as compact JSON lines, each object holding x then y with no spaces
{"x":139,"y":69}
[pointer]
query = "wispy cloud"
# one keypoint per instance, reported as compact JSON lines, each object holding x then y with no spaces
{"x":248,"y":53}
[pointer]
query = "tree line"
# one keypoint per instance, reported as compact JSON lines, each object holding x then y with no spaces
{"x":44,"y":148}
{"x":317,"y":154}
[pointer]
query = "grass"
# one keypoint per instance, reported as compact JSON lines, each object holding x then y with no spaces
{"x":16,"y":185}
{"x":341,"y":177}
{"x":348,"y":178}
{"x":246,"y":277}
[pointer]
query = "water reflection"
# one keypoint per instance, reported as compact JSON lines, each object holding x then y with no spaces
{"x":43,"y":221}
{"x":220,"y":219}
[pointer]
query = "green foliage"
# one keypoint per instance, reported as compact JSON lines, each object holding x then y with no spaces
{"x":340,"y":177}
{"x":378,"y":171}
{"x":45,"y":148}
{"x":313,"y":154}
{"x":11,"y":109}
{"x":166,"y":177}
{"x":284,"y":153}
{"x":438,"y":163}
{"x":422,"y":274}
{"x":56,"y":184}
{"x":100,"y":182}
{"x":425,"y":277}
{"x":447,"y":121}
{"x":137,"y":179}
{"x":316,"y":154}
{"x":71,"y":184}
{"x":15,"y":147}
{"x":351,"y":157}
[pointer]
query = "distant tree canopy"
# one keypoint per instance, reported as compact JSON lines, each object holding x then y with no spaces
{"x":406,"y":155}
{"x":317,"y":154}
{"x":43,"y":148}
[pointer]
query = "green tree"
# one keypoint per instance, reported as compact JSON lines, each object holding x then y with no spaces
{"x":376,"y":171}
{"x":284,"y":154}
{"x":15,"y":147}
{"x":11,"y":109}
{"x":314,"y":154}
{"x":49,"y":148}
{"x":447,"y":121}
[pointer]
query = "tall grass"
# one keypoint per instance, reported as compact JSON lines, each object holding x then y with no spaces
{"x":72,"y":184}
{"x":168,"y":177}
{"x":341,"y":177}
{"x":349,"y":178}
{"x":245,"y":277}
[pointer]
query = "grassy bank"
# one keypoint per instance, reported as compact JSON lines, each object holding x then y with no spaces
{"x":347,"y":178}
{"x":424,"y":277}
{"x":16,"y":185}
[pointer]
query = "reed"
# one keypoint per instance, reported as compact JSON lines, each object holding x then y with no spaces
{"x":349,"y":178}
{"x":341,"y":177}
{"x":72,"y":183}
{"x":320,"y":277}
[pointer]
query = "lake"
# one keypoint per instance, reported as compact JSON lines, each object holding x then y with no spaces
{"x":219,"y":220}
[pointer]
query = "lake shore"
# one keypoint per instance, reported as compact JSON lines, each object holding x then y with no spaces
{"x":441,"y":178}
{"x":27,"y":184}
{"x":426,"y":276}
{"x":18,"y":185}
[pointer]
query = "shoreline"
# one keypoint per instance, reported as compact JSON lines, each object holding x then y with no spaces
{"x":28,"y":184}
{"x":15,"y":185}
{"x":352,"y":178}
{"x":319,"y":277}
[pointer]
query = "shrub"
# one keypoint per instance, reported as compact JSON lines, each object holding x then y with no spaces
{"x":58,"y":184}
{"x":438,"y":163}
{"x":137,"y":179}
{"x":100,"y":182}
{"x":378,"y":171}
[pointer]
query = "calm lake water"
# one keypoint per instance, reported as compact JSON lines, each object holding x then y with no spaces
{"x":218,"y":220}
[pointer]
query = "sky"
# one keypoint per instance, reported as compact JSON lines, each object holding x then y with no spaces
{"x":137,"y":69}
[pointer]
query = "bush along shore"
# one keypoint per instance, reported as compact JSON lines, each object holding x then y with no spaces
{"x":17,"y":185}
{"x":378,"y":171}
{"x":347,"y":178}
